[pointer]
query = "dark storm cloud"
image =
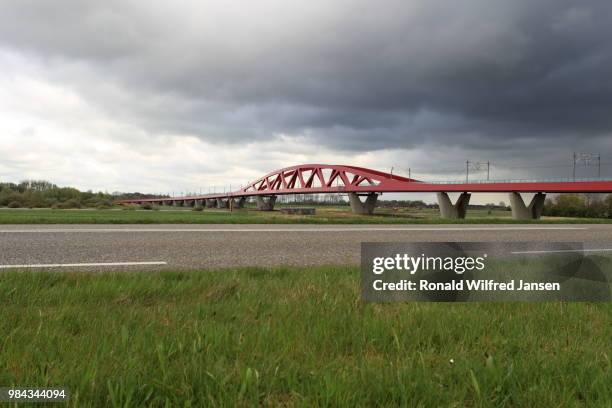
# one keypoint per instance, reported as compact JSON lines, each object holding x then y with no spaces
{"x":354,"y":75}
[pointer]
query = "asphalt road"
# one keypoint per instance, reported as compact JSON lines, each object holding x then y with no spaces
{"x":150,"y":247}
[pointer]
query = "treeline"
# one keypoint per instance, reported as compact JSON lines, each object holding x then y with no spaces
{"x":43,"y":194}
{"x":404,"y":204}
{"x":579,"y":205}
{"x":561,"y":205}
{"x":311,"y":199}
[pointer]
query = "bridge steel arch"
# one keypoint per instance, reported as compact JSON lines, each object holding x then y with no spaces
{"x":359,"y":183}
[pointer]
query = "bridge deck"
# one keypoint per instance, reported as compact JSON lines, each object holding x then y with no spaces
{"x":325,"y":179}
{"x":604,"y":186}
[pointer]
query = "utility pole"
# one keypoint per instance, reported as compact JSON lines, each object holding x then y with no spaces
{"x":477,"y":166}
{"x":598,"y":165}
{"x":587,"y":160}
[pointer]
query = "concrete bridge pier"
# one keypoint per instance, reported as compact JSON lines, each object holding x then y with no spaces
{"x":199,"y":203}
{"x":265,"y":203}
{"x":238,"y":203}
{"x":178,"y":203}
{"x":189,"y":203}
{"x":363,"y":208}
{"x":533,"y":211}
{"x":450,"y":210}
{"x":210,"y":202}
{"x":222,"y":203}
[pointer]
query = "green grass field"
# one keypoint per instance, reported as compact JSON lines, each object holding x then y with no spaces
{"x":324,"y":215}
{"x":292,"y":337}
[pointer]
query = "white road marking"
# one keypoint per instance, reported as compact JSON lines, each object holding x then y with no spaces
{"x":106,"y":230}
{"x":562,"y":250}
{"x":80,"y":265}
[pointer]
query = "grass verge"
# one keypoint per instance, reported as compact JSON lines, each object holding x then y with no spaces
{"x":323,"y":216}
{"x":291,"y":337}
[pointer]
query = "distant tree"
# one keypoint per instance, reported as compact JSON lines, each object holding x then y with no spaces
{"x":579,"y":205}
{"x":571,"y":205}
{"x":608,"y":206}
{"x":41,"y":193}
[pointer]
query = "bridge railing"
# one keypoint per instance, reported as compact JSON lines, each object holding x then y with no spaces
{"x":553,"y":180}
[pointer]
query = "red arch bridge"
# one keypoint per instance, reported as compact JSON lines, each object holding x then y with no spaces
{"x":363,"y":186}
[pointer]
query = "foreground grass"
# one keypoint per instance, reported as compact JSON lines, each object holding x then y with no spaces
{"x":340,"y":215}
{"x":292,"y":337}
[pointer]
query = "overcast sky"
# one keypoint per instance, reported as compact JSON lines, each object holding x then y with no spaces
{"x":175,"y":96}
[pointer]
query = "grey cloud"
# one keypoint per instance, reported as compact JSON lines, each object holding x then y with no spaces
{"x":357,"y":76}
